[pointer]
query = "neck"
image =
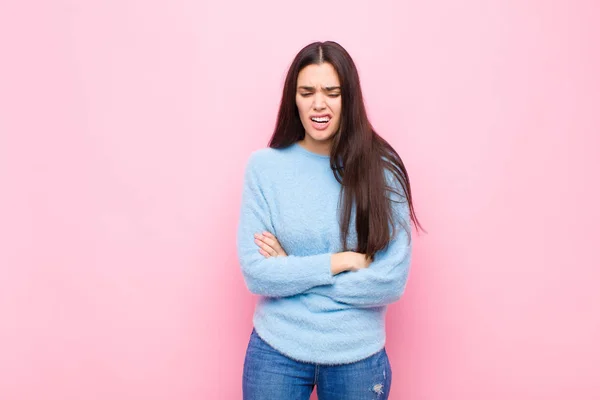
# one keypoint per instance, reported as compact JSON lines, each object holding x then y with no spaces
{"x":322,"y":148}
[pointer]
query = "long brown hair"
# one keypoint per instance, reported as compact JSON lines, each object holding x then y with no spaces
{"x":359,"y":156}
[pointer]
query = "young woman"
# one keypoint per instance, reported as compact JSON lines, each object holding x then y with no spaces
{"x":324,"y":239}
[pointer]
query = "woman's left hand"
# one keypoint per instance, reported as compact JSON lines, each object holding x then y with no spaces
{"x":268,"y":245}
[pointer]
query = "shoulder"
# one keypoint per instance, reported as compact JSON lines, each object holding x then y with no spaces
{"x":262,"y":156}
{"x":264,"y":164}
{"x":267,"y":159}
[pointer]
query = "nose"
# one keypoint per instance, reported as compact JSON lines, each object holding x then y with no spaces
{"x":319,"y":101}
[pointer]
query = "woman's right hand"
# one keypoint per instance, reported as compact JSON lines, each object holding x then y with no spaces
{"x":348,"y":261}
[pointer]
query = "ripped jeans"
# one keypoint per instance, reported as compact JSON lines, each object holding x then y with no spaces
{"x":269,"y":375}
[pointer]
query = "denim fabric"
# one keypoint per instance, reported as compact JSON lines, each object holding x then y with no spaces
{"x":270,"y":375}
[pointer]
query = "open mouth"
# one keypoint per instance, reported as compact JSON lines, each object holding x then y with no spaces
{"x":320,"y":123}
{"x":320,"y":120}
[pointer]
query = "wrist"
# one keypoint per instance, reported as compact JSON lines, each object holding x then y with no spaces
{"x":340,"y":262}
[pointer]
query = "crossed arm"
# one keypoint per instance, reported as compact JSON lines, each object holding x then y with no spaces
{"x":269,"y":271}
{"x":382,"y":283}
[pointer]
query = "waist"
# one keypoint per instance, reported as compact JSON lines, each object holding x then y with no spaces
{"x":307,"y":329}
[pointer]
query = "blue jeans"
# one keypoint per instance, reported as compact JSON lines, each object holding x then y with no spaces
{"x":269,"y":375}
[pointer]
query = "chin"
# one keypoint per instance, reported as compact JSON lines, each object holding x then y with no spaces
{"x":321,"y":136}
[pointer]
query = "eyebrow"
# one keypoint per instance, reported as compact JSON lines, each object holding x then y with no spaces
{"x":328,"y":88}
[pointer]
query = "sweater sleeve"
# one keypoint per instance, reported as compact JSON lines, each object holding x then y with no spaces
{"x":381,"y":284}
{"x":273,"y":276}
{"x":384,"y":281}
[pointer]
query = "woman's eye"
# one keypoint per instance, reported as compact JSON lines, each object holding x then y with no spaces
{"x":334,"y":95}
{"x":305,"y":94}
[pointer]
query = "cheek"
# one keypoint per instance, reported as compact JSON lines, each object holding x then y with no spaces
{"x":301,"y":107}
{"x":337,"y":107}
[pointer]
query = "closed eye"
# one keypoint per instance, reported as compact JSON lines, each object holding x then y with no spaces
{"x":330,"y":95}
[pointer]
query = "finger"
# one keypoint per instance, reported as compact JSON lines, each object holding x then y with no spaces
{"x":264,"y":253}
{"x":266,"y":247}
{"x":272,"y":241}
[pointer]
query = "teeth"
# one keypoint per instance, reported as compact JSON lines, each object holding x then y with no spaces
{"x":320,"y":119}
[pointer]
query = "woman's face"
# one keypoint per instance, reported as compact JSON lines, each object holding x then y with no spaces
{"x":319,"y":102}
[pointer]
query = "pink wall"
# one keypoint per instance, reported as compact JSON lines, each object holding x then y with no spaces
{"x":124,"y":129}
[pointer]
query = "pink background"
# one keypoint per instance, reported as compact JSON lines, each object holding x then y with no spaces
{"x":124,"y":129}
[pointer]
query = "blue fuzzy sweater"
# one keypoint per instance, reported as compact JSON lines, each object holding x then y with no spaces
{"x":303,"y":310}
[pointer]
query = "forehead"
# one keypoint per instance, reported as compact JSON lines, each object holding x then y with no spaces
{"x":318,"y":75}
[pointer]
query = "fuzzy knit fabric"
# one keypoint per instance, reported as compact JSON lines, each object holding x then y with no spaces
{"x":303,"y":310}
